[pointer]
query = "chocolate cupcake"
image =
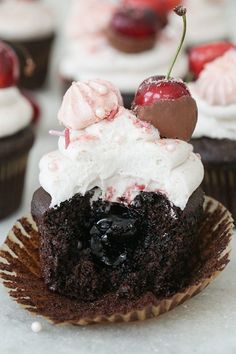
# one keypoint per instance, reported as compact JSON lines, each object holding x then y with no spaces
{"x":122,"y":44}
{"x":215,"y":134}
{"x":29,"y":26}
{"x":16,"y":134}
{"x":121,"y":231}
{"x":119,"y":207}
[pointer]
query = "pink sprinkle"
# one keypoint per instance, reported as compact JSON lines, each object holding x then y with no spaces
{"x":88,"y":137}
{"x":140,"y":187}
{"x":110,"y":192}
{"x":142,"y":124}
{"x":56,"y":133}
{"x":67,"y":138}
{"x":112,"y":114}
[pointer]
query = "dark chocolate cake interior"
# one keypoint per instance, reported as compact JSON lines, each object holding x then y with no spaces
{"x":89,"y":249}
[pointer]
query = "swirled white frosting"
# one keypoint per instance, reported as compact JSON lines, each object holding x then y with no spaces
{"x":25,"y":19}
{"x":215,"y":93}
{"x":207,"y":20}
{"x":89,"y":55}
{"x":121,"y":157}
{"x":15,"y":111}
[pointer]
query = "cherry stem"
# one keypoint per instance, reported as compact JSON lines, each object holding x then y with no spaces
{"x":180,"y":11}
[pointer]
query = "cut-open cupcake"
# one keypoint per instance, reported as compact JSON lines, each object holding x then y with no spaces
{"x":120,"y":228}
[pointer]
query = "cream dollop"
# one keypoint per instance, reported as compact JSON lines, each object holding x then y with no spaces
{"x":217,"y":82}
{"x":86,"y":103}
{"x":15,"y":111}
{"x":25,"y":19}
{"x":121,"y":157}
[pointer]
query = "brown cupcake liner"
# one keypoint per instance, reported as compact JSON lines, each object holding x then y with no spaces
{"x":220,"y":183}
{"x":20,"y":273}
{"x":39,"y":50}
{"x":12,"y":176}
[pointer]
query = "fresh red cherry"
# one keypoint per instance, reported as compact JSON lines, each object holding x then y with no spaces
{"x":201,"y":55}
{"x":135,"y":23}
{"x":166,"y":102}
{"x":157,"y":88}
{"x":9,"y":66}
{"x":160,"y":6}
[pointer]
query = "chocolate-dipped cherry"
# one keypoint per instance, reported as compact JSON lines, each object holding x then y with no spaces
{"x":133,"y":30}
{"x":9,"y":66}
{"x":166,"y":102}
{"x":199,"y":56}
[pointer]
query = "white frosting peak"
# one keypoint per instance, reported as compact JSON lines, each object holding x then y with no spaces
{"x":121,"y":157}
{"x":15,"y":111}
{"x":25,"y":19}
{"x":215,"y":93}
{"x":217,"y":82}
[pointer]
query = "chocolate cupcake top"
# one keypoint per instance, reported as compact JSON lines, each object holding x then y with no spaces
{"x":215,"y":93}
{"x":106,"y":146}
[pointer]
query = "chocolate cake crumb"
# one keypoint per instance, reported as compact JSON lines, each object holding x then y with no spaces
{"x":149,"y":246}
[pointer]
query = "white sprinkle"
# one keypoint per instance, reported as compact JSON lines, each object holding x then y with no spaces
{"x":36,"y":327}
{"x":56,"y":133}
{"x":100,"y":113}
{"x":103,"y":90}
{"x":170,"y":147}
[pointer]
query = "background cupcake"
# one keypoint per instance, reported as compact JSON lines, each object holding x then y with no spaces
{"x":16,"y":134}
{"x":208,"y":21}
{"x":29,"y":25}
{"x":215,"y":134}
{"x":103,"y":40}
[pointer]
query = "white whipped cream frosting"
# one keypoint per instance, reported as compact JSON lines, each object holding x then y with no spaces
{"x":207,"y":20}
{"x":215,"y":93}
{"x":89,"y":55}
{"x":25,"y":19}
{"x":121,"y":156}
{"x":15,"y":111}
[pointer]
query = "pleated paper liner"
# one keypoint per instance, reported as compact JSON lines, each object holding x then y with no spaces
{"x":20,"y":273}
{"x":12,"y":176}
{"x":220,"y":183}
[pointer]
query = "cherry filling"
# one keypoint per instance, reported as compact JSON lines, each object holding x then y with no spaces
{"x":135,"y":22}
{"x":112,"y":238}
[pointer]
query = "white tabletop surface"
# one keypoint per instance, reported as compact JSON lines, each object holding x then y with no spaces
{"x":206,"y":324}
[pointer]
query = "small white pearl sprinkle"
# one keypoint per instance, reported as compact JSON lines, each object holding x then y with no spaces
{"x":170,"y":147}
{"x":36,"y":327}
{"x":100,"y":112}
{"x":102,"y":90}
